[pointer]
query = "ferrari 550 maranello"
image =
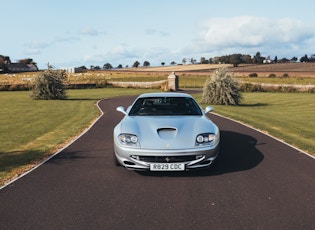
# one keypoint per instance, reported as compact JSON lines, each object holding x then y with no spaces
{"x":165,"y":132}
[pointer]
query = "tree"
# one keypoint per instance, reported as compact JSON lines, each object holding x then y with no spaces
{"x":119,"y":66}
{"x":3,"y":66}
{"x":136,"y":64}
{"x":173,"y":63}
{"x":203,"y":60}
{"x":304,"y":59}
{"x":235,"y":59}
{"x":224,"y":59}
{"x":184,"y":61}
{"x":221,"y":88}
{"x":49,"y":85}
{"x":312,"y":58}
{"x":247,"y":59}
{"x":215,"y":60}
{"x":163,"y":63}
{"x":257,"y":58}
{"x":107,"y":66}
{"x":27,"y":61}
{"x":284,"y":60}
{"x":4,"y":60}
{"x":146,"y":64}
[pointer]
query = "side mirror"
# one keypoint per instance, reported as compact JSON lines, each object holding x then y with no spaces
{"x":208,"y":109}
{"x":121,"y":109}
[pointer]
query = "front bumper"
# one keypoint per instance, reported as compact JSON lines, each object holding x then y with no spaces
{"x":140,"y":159}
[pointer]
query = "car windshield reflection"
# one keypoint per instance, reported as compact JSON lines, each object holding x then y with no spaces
{"x":165,"y":106}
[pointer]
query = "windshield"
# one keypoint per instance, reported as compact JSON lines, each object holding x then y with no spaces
{"x":165,"y":106}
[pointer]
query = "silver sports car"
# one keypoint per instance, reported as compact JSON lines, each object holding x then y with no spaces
{"x":165,"y":132}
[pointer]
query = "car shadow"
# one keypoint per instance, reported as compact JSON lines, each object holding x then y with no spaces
{"x":237,"y":153}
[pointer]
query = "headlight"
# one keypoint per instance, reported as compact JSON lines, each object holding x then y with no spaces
{"x":205,"y":139}
{"x":128,"y":139}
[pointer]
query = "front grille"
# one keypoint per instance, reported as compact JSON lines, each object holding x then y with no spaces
{"x":166,"y":159}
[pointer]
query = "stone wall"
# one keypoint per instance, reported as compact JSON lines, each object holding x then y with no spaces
{"x":143,"y":85}
{"x":171,"y":84}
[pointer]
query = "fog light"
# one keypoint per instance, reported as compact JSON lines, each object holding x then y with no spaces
{"x":135,"y":157}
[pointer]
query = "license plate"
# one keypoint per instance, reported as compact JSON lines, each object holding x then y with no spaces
{"x":167,"y":167}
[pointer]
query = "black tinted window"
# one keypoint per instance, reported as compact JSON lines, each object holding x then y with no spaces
{"x":165,"y":106}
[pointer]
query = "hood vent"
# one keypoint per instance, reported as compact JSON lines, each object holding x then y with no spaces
{"x":166,"y":129}
{"x":167,"y":133}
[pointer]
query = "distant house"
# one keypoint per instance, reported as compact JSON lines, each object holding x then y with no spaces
{"x":74,"y":70}
{"x":21,"y":67}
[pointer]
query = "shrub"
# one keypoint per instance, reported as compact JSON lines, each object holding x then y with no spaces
{"x":285,"y":75}
{"x":49,"y":85}
{"x":221,"y":89}
{"x":253,"y":75}
{"x":272,"y":75}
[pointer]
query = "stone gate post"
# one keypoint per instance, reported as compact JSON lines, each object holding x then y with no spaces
{"x":173,"y":82}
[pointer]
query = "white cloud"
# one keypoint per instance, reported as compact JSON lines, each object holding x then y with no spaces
{"x":254,"y":33}
{"x":285,"y":37}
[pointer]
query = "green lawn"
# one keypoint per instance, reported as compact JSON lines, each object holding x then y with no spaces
{"x":31,"y":130}
{"x":288,"y":116}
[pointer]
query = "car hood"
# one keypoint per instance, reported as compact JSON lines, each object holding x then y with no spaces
{"x":167,"y":132}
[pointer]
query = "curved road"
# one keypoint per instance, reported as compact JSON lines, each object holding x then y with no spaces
{"x":258,"y":183}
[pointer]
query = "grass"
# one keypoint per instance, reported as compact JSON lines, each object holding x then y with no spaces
{"x":280,"y":80}
{"x":30,"y":130}
{"x":288,"y":116}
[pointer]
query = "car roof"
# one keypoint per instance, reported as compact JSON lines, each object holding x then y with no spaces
{"x":164,"y":94}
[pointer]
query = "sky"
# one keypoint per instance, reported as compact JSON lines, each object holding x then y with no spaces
{"x":72,"y":33}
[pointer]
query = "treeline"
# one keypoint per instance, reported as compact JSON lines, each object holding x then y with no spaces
{"x":234,"y":59}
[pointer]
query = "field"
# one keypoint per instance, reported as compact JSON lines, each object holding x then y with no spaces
{"x":190,"y":75}
{"x":297,"y":69}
